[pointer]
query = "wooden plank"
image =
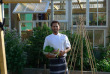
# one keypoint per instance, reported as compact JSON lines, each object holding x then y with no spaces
{"x":80,"y":4}
{"x":22,"y":1}
{"x":3,"y":66}
{"x":78,"y":11}
{"x":56,"y":7}
{"x":74,"y":3}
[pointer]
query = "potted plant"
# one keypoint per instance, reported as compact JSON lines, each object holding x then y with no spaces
{"x":101,"y":20}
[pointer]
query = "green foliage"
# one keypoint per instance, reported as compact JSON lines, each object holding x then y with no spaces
{"x":103,"y":63}
{"x":48,"y":49}
{"x":15,"y":55}
{"x":35,"y":57}
{"x":108,"y":53}
{"x":100,"y":53}
{"x":101,"y":18}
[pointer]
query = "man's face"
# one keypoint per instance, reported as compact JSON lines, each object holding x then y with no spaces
{"x":55,"y":27}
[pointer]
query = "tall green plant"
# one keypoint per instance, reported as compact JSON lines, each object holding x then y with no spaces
{"x":15,"y":55}
{"x":36,"y":58}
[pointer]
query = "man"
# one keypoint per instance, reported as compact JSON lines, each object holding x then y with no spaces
{"x":61,"y":42}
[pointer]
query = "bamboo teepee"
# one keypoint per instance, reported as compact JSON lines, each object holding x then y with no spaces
{"x":77,"y":48}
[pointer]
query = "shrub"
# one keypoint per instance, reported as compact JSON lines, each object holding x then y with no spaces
{"x":103,"y":65}
{"x":36,"y":58}
{"x":15,"y":55}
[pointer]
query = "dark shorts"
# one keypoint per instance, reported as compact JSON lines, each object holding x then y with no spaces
{"x":58,"y":65}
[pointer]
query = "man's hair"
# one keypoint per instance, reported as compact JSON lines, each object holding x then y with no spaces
{"x":55,"y":22}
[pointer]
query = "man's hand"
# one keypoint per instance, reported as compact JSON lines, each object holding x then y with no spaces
{"x":62,"y":52}
{"x":50,"y":56}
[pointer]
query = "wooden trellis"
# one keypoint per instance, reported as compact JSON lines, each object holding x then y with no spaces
{"x":77,"y":48}
{"x":3,"y":66}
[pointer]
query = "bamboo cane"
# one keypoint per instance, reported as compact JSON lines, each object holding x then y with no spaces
{"x":87,"y":41}
{"x":89,"y":50}
{"x":76,"y":39}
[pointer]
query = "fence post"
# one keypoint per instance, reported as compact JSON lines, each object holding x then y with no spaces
{"x":3,"y":65}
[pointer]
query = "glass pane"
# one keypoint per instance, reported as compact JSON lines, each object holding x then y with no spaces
{"x":90,"y":35}
{"x":99,"y":38}
{"x":101,"y":19}
{"x":76,"y":20}
{"x":26,"y":30}
{"x":42,"y":23}
{"x":79,"y":12}
{"x":93,"y":5}
{"x":77,"y":0}
{"x":6,"y":22}
{"x":93,"y":0}
{"x":59,"y":10}
{"x":26,"y":17}
{"x":32,"y":7}
{"x":102,"y":6}
{"x":93,"y":19}
{"x":6,"y":6}
{"x":59,"y":17}
{"x":26,"y":26}
{"x":22,"y":17}
{"x":63,"y":26}
{"x":21,"y":7}
{"x":61,"y":5}
{"x":74,"y":0}
{"x":6,"y":14}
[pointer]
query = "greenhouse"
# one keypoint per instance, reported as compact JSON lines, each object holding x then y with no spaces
{"x":32,"y":14}
{"x":29,"y":23}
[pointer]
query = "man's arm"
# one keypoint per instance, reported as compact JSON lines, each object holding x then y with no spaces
{"x":67,"y":45}
{"x":67,"y":50}
{"x":62,"y":52}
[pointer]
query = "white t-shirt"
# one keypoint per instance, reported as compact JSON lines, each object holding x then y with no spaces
{"x":59,"y":41}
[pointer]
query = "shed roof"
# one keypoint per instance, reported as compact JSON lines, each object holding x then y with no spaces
{"x":32,"y":7}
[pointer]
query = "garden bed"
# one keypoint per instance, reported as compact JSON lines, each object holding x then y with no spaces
{"x":42,"y":71}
